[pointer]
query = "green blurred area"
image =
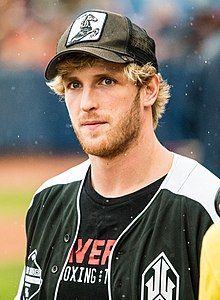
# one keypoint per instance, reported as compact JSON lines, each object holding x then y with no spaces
{"x":12,"y":203}
{"x":9,"y":279}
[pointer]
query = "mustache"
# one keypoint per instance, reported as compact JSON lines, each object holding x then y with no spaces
{"x":91,"y":116}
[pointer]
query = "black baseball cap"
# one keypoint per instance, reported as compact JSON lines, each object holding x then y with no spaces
{"x":106,"y":35}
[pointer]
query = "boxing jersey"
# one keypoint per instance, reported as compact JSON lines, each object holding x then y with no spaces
{"x":102,"y":221}
{"x":156,"y":256}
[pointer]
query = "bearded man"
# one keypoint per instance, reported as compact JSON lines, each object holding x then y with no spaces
{"x":127,"y":223}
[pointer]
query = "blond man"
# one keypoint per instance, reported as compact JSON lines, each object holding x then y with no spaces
{"x":128,"y":222}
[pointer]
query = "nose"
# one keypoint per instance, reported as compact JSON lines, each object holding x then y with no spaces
{"x":89,"y":99}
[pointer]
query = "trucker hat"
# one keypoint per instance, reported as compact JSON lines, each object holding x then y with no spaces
{"x":106,"y":35}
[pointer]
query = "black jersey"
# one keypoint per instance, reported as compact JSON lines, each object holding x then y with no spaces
{"x":155,"y":257}
{"x":102,"y":221}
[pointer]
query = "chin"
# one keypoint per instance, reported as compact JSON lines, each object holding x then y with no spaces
{"x":108,"y":151}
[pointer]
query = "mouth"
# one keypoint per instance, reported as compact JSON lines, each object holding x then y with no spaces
{"x":93,"y":124}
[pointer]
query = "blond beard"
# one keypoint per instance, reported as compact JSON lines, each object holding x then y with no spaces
{"x":120,"y":138}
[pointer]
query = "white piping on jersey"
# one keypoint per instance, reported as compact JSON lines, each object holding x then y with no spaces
{"x":77,"y":173}
{"x":129,"y":226}
{"x":122,"y":234}
{"x":189,"y":178}
{"x":192,"y":180}
{"x":189,"y":166}
{"x":73,"y":174}
{"x":74,"y":240}
{"x":184,"y":179}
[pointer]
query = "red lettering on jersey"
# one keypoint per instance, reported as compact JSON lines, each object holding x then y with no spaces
{"x":96,"y":252}
{"x":107,"y":251}
{"x":70,"y":261}
{"x":97,"y":255}
{"x":81,"y":251}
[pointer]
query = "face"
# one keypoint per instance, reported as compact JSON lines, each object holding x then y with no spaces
{"x":104,"y":108}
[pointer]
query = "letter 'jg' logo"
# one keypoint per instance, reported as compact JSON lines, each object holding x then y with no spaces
{"x":33,"y":280}
{"x":160,"y":281}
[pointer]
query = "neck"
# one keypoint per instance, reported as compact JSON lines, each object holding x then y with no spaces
{"x":140,"y":165}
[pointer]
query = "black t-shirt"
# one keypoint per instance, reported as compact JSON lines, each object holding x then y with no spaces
{"x":102,"y":221}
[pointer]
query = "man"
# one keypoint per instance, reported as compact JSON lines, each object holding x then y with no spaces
{"x":128,"y":223}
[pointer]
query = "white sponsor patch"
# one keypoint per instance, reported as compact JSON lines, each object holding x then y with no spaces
{"x":87,"y":27}
{"x":160,"y":281}
{"x":33,"y":279}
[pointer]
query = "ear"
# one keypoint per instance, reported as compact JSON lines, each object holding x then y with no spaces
{"x":149,"y":93}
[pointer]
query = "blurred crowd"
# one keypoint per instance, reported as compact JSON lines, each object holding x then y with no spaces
{"x":187,"y":34}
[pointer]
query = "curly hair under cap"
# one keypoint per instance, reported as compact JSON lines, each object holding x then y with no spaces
{"x":140,"y":75}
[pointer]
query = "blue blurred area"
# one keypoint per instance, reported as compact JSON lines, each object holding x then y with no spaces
{"x":193,"y":112}
{"x":177,"y":123}
{"x":208,"y":116}
{"x":187,"y":35}
{"x":32,"y":118}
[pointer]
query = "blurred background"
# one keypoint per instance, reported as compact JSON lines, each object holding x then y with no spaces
{"x":36,"y":138}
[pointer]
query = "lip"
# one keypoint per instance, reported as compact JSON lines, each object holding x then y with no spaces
{"x":93,"y":124}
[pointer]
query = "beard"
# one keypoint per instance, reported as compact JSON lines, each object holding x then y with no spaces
{"x":119,"y":138}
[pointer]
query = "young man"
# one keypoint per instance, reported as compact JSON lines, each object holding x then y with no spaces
{"x":128,"y":223}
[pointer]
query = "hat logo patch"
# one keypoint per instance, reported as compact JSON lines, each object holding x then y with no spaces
{"x":87,"y":27}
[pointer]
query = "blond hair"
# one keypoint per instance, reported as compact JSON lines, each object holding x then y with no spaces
{"x":140,"y":75}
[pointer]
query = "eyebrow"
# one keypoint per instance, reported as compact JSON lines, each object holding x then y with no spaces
{"x":67,"y":78}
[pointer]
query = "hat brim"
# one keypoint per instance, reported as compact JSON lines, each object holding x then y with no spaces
{"x":108,"y":55}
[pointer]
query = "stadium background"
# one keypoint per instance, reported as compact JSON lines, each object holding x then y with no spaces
{"x":36,"y":138}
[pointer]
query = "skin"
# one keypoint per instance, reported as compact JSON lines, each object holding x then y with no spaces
{"x":112,"y":118}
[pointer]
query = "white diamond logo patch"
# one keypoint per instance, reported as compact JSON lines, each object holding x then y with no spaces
{"x":87,"y":27}
{"x":160,"y":281}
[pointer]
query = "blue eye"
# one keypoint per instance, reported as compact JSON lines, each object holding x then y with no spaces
{"x":74,"y":85}
{"x":108,"y":81}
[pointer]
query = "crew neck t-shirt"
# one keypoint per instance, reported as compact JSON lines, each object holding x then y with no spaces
{"x":102,"y":221}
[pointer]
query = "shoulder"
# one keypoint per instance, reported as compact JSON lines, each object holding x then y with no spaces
{"x":189,"y":178}
{"x":74,"y":174}
{"x":195,"y":176}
